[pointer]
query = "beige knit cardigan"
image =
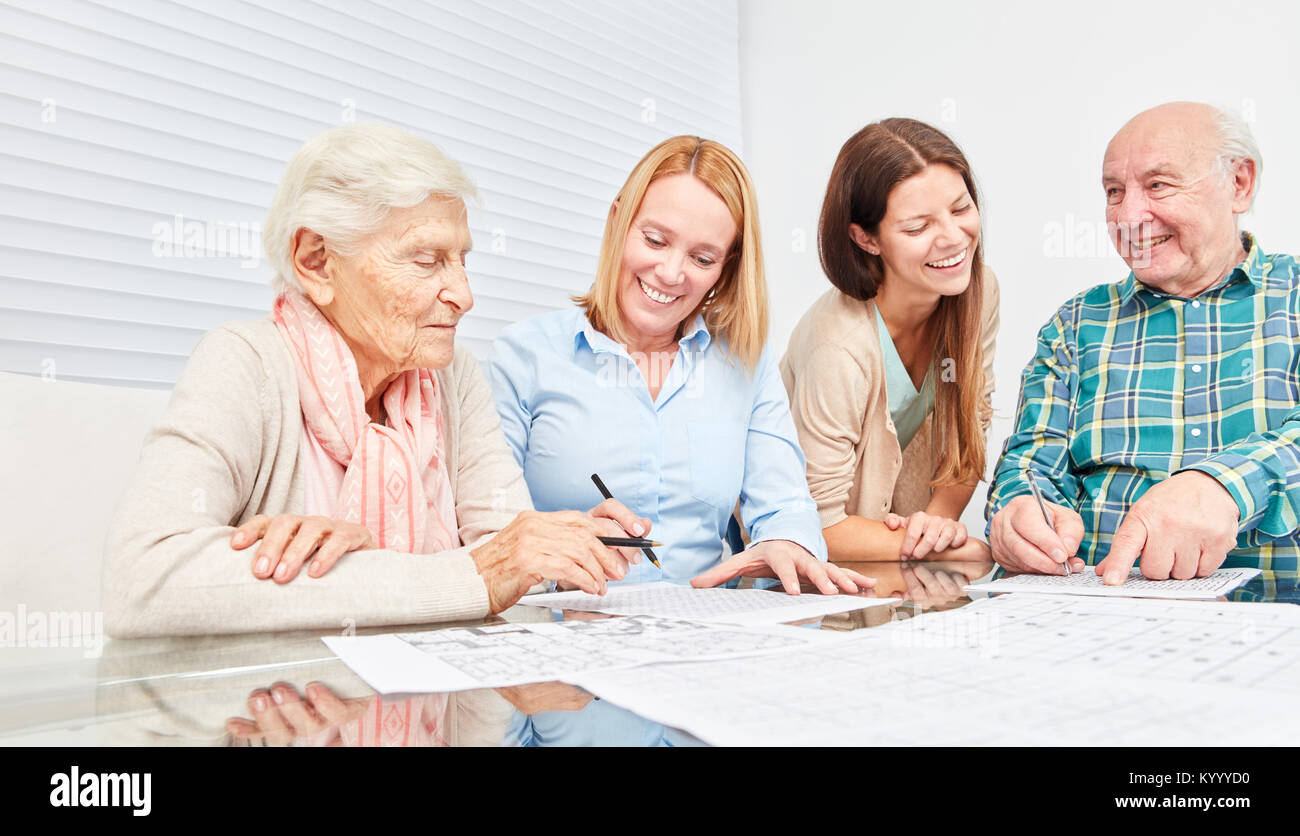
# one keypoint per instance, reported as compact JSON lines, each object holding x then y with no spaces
{"x":834,"y":372}
{"x":227,"y":449}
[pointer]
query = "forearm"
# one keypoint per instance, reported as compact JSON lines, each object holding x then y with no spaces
{"x":950,"y":501}
{"x":1040,"y":439}
{"x":855,"y":539}
{"x":1262,"y":474}
{"x":194,"y":583}
{"x":860,"y":540}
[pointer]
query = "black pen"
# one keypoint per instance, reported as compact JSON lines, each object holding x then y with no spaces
{"x":604,"y":491}
{"x":628,"y":542}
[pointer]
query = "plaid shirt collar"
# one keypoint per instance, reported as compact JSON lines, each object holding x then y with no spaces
{"x":1253,"y":269}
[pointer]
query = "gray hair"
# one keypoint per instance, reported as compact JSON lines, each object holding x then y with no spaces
{"x":343,"y":182}
{"x":1236,"y":143}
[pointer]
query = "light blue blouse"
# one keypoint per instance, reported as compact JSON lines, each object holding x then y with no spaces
{"x":572,"y":403}
{"x":907,"y":406}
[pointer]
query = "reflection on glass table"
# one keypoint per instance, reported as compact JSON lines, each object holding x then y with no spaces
{"x":220,"y":690}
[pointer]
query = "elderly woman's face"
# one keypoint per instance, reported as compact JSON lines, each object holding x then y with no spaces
{"x":673,"y":255}
{"x":397,"y":301}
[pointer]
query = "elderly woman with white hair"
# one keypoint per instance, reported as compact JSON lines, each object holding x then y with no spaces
{"x":346,"y":433}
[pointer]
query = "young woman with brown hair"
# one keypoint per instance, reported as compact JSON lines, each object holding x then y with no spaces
{"x":890,"y":372}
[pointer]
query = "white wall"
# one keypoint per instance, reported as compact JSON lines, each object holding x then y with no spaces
{"x":1032,"y":93}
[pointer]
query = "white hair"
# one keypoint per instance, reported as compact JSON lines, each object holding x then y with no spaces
{"x":1236,"y":143}
{"x":343,"y":182}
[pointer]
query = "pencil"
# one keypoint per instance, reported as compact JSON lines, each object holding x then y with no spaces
{"x":604,"y":491}
{"x":1042,"y":506}
{"x":628,"y":542}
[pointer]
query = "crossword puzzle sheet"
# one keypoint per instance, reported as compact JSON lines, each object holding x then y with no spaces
{"x":1088,"y":582}
{"x":895,"y":686}
{"x":515,"y":654}
{"x":1252,"y":645}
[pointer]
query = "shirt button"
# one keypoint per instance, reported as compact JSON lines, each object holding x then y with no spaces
{"x":1196,"y":303}
{"x":884,"y":506}
{"x":1196,"y":367}
{"x":1196,"y":431}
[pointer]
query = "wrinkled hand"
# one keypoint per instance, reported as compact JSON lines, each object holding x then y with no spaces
{"x":1022,"y":541}
{"x":282,"y":718}
{"x":289,"y":539}
{"x":555,"y":546}
{"x":1183,"y":527}
{"x":926,"y":533}
{"x":789,"y":562}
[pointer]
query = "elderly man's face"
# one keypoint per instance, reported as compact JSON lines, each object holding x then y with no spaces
{"x":398,"y":300}
{"x":1170,"y":209}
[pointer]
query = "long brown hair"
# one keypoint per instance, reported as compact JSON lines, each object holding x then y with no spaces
{"x":736,"y":307}
{"x":874,"y":161}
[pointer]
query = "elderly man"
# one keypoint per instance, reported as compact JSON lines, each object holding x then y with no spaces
{"x":1159,"y":414}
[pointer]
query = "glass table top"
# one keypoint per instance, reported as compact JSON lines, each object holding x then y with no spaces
{"x":289,"y":689}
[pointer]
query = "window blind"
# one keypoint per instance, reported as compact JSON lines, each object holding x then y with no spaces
{"x":141,"y":141}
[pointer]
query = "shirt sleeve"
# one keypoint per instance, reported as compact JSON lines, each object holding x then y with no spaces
{"x":1262,"y":472}
{"x":512,"y":376}
{"x":774,"y":500}
{"x":1039,"y":441}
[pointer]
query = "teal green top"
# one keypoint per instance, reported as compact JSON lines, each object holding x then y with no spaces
{"x":907,"y":407}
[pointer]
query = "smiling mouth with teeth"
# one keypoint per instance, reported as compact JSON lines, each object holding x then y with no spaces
{"x":948,"y":262}
{"x":656,"y":295}
{"x":1150,"y":242}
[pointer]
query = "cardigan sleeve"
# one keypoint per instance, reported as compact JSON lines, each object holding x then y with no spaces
{"x":830,"y":394}
{"x":490,"y":486}
{"x":169,"y":568}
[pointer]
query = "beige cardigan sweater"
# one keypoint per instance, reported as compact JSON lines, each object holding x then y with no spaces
{"x":834,"y":372}
{"x":227,"y":449}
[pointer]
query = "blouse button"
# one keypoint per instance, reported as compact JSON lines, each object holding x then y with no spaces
{"x":884,"y":506}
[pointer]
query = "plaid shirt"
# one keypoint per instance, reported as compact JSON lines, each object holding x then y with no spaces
{"x":1129,"y":386}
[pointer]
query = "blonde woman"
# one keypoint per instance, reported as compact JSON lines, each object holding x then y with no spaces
{"x":659,"y":380}
{"x":890,"y":373}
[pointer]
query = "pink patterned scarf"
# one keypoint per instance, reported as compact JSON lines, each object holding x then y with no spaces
{"x":390,"y":478}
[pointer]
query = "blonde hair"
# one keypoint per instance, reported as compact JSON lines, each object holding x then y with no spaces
{"x":735,"y":310}
{"x":343,"y":182}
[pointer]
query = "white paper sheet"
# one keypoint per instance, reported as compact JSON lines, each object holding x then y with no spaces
{"x":1252,"y":645}
{"x":515,"y":654}
{"x":1088,"y":582}
{"x":723,"y":606}
{"x":1059,"y":671}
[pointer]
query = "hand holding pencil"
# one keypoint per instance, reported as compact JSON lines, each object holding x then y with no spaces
{"x":640,"y":526}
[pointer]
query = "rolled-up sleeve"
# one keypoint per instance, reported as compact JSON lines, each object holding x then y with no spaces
{"x":1262,"y":473}
{"x":1039,"y":441}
